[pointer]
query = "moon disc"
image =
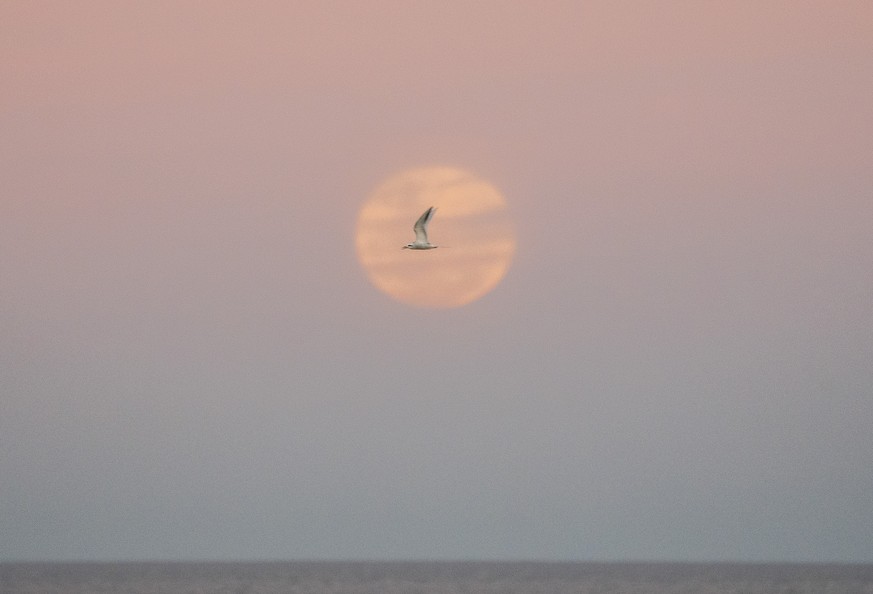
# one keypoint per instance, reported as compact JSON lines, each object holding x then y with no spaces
{"x":471,"y":226}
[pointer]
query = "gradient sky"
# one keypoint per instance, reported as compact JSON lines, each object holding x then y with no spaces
{"x":678,"y":365}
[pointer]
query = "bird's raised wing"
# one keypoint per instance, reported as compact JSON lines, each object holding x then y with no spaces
{"x":420,"y":226}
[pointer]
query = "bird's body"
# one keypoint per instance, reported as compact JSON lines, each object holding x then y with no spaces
{"x":420,"y":228}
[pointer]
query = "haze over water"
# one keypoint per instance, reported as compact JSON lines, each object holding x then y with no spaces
{"x":677,"y":365}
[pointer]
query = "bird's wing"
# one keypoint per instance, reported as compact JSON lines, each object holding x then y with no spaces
{"x":420,"y":226}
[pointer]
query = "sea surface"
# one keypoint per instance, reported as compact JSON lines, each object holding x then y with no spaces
{"x":335,"y":577}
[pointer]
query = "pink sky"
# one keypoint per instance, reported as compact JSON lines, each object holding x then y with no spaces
{"x":677,"y":364}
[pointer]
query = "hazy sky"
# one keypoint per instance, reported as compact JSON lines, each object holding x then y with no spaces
{"x":678,"y":365}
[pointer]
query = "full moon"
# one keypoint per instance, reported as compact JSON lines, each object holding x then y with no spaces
{"x":471,"y":226}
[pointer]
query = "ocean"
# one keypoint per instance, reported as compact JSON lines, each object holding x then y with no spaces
{"x":340,"y":577}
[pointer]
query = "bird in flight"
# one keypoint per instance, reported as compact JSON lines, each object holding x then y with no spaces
{"x":420,"y":228}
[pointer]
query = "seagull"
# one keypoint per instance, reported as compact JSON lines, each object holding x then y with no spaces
{"x":420,"y":228}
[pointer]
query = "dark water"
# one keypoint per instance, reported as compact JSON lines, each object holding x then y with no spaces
{"x":432,"y":578}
